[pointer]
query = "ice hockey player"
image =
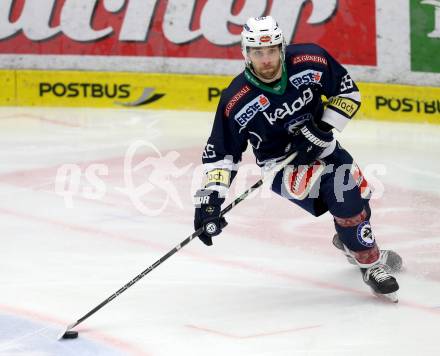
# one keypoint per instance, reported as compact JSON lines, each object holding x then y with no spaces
{"x":275,"y":104}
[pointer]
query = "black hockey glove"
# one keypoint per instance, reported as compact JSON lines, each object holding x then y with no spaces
{"x":207,"y":214}
{"x":312,"y":141}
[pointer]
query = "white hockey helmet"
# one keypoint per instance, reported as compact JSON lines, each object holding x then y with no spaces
{"x":261,"y":32}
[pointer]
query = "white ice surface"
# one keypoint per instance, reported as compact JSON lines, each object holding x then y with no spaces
{"x":272,"y":284}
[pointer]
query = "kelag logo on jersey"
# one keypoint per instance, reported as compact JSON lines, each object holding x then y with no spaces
{"x":306,"y":77}
{"x":286,"y":109}
{"x":260,"y":103}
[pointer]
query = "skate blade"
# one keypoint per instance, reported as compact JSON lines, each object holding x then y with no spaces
{"x":390,"y":297}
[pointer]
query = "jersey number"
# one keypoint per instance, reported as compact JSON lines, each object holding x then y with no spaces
{"x":346,"y":83}
{"x":209,"y":151}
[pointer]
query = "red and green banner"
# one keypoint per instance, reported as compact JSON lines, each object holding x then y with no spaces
{"x":425,"y":35}
{"x":182,"y":28}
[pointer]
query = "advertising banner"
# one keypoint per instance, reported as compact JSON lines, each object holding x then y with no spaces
{"x":425,"y":35}
{"x":182,"y":28}
{"x":190,"y":92}
{"x":7,"y":92}
{"x":119,"y":90}
{"x":392,"y":102}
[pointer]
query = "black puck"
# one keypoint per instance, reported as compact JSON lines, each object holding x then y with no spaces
{"x":71,"y":334}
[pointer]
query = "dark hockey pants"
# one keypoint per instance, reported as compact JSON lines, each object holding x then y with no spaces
{"x":338,"y":186}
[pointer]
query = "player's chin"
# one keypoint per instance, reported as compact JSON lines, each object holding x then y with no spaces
{"x":268,"y":73}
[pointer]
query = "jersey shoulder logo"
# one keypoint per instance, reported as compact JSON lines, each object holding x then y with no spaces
{"x":309,"y":58}
{"x":344,"y":106}
{"x":248,"y":112}
{"x":305,"y":77}
{"x":236,"y":98}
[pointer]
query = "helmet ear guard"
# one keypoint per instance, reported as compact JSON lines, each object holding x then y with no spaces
{"x":261,"y":32}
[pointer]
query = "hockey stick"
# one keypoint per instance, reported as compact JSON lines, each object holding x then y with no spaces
{"x":239,"y":199}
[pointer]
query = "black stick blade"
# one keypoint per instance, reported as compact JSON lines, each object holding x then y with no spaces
{"x":71,"y":334}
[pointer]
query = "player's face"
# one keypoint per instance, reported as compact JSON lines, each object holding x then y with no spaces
{"x":266,"y":61}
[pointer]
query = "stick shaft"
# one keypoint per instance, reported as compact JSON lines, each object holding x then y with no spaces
{"x":196,"y":233}
{"x":279,"y":166}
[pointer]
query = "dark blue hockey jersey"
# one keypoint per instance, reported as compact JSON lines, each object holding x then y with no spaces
{"x":269,"y":117}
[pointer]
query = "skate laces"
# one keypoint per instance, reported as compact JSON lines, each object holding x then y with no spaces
{"x":378,"y":273}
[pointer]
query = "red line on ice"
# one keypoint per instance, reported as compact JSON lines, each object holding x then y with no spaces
{"x":250,"y":336}
{"x":42,"y":119}
{"x":230,"y":264}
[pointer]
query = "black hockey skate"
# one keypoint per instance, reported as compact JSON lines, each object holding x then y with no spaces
{"x":381,"y":282}
{"x":390,"y":259}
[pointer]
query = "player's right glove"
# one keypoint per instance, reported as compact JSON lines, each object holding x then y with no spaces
{"x":312,"y":141}
{"x":207,"y":214}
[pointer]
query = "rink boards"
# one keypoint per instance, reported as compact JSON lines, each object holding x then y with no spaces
{"x":388,"y":102}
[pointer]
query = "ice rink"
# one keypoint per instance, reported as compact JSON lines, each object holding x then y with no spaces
{"x":90,"y":198}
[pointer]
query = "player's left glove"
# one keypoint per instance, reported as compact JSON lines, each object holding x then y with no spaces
{"x":312,"y":141}
{"x":207,"y":214}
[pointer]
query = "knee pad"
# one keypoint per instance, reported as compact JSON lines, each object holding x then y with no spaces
{"x":356,"y":234}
